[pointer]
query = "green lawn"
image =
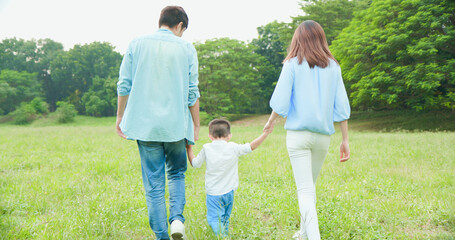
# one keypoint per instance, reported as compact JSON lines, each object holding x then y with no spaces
{"x":81,"y":181}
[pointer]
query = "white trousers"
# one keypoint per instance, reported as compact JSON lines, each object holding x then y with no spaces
{"x":307,"y":151}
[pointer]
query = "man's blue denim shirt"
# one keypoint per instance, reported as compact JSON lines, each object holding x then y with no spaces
{"x":159,"y":72}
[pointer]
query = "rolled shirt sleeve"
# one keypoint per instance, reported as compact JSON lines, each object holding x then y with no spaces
{"x":193,"y":84}
{"x":125,"y":75}
{"x":281,"y":98}
{"x":342,"y":109}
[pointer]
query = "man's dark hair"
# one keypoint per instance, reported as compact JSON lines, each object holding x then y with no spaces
{"x":219,"y":128}
{"x":173,"y":15}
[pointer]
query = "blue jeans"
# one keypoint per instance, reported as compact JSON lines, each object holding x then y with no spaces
{"x":156,"y":159}
{"x":219,"y":210}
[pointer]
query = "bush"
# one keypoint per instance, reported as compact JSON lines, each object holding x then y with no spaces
{"x":65,"y":112}
{"x":24,"y":114}
{"x":95,"y":106}
{"x":40,"y":106}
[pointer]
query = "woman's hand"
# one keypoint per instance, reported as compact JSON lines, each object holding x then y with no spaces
{"x":344,"y":151}
{"x":268,"y":128}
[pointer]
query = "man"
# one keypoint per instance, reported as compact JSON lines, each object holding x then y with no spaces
{"x":159,"y":80}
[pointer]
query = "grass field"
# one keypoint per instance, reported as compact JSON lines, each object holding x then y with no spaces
{"x":81,"y":181}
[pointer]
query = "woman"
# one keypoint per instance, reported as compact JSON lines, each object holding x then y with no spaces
{"x":311,"y":94}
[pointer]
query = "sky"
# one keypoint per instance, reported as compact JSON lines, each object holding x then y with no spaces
{"x":73,"y":22}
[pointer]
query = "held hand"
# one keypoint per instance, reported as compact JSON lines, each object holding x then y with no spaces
{"x":344,"y":152}
{"x":268,"y":128}
{"x":190,"y":153}
{"x":119,"y":131}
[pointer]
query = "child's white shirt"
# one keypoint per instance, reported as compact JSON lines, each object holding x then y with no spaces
{"x":221,"y":175}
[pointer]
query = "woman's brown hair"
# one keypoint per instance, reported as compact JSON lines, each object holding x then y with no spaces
{"x":309,"y":43}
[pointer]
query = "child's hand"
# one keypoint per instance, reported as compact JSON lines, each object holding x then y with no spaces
{"x":190,"y":153}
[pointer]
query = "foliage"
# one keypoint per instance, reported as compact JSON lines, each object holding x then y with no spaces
{"x":24,"y":114}
{"x":272,"y":42}
{"x":400,"y":55}
{"x":65,"y":112}
{"x":31,"y":56}
{"x":17,"y":87}
{"x":101,"y":99}
{"x":28,"y":112}
{"x":231,"y":77}
{"x":18,"y":55}
{"x":41,"y":107}
{"x":333,"y":15}
{"x":73,"y":72}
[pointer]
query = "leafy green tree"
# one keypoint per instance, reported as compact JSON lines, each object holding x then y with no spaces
{"x":17,"y":87}
{"x":32,"y":56}
{"x":73,"y":71}
{"x":333,"y":15}
{"x":18,"y":55}
{"x":231,"y":77}
{"x":101,"y":99}
{"x":47,"y":51}
{"x":272,"y":42}
{"x":400,"y":54}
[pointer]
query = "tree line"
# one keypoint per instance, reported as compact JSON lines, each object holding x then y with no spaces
{"x":394,"y":54}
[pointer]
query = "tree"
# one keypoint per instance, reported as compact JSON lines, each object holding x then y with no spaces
{"x":272,"y":42}
{"x":73,"y":71}
{"x":230,"y":77}
{"x":17,"y":87}
{"x":332,"y":15}
{"x":47,"y":51}
{"x":101,"y":99}
{"x":400,"y":55}
{"x":18,"y":55}
{"x":32,"y":56}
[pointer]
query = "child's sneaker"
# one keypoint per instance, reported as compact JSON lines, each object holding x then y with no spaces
{"x":299,"y":236}
{"x":177,"y":230}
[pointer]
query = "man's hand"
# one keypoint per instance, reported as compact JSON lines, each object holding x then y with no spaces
{"x":119,"y":131}
{"x":121,"y":104}
{"x":190,"y":153}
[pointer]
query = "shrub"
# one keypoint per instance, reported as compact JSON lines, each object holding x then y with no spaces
{"x":95,"y":106}
{"x":24,"y":114}
{"x":40,"y":106}
{"x":65,"y":112}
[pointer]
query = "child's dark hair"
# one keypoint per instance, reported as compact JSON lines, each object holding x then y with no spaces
{"x":219,"y":128}
{"x":173,"y":15}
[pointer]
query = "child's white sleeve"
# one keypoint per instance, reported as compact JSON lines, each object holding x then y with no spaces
{"x":242,"y":149}
{"x":199,"y":159}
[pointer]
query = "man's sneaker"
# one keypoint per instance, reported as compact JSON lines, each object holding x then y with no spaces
{"x":177,"y":230}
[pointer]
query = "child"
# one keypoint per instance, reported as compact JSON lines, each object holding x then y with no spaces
{"x":221,"y":176}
